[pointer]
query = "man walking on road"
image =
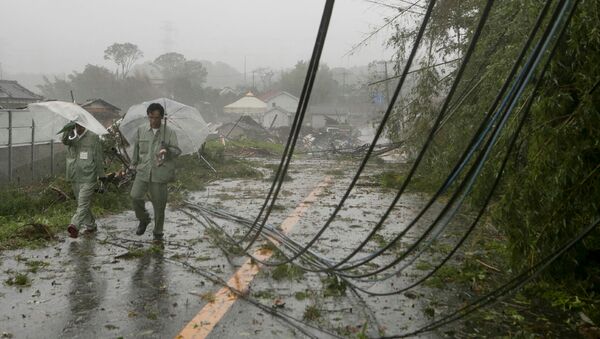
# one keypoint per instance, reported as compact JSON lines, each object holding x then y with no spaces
{"x":85,"y":165}
{"x":154,"y":151}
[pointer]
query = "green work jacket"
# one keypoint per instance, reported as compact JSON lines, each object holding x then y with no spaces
{"x":145,"y":150}
{"x":85,"y":159}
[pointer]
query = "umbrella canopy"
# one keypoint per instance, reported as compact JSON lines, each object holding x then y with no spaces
{"x":61,"y":113}
{"x":185,"y":121}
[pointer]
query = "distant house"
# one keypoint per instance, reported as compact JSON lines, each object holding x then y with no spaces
{"x":281,"y":99}
{"x":322,"y":116}
{"x":277,"y":117}
{"x":247,"y":105}
{"x":102,"y":110}
{"x":325,"y":120}
{"x":13,"y":95}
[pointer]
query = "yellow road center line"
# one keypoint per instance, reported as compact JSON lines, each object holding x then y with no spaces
{"x":208,"y":317}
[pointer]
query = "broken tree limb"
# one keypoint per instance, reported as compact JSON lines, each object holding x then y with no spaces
{"x":488,"y":266}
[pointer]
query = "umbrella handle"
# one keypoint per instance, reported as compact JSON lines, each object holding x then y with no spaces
{"x":75,"y":135}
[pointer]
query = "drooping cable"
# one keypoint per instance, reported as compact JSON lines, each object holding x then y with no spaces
{"x":298,"y":117}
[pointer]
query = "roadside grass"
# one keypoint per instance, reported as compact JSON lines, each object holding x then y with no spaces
{"x":31,"y":216}
{"x":34,"y":266}
{"x":18,"y":279}
{"x":238,"y":148}
{"x":333,"y":286}
{"x":301,"y":295}
{"x":540,"y":308}
{"x":264,"y":294}
{"x":287,"y":272}
{"x":193,"y":173}
{"x":139,"y":252}
{"x":395,"y":179}
{"x":271,"y":147}
{"x":312,"y":313}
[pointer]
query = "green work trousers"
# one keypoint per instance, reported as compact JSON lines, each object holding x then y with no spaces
{"x":83,"y":217}
{"x":158,"y":197}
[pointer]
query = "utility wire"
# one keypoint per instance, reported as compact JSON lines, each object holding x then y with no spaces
{"x":301,"y":110}
{"x":390,"y":21}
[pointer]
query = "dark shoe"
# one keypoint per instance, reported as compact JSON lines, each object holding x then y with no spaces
{"x":73,"y":232}
{"x":158,"y":239}
{"x":141,"y":229}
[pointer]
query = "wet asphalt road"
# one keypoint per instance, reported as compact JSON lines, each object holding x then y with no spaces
{"x":92,"y":287}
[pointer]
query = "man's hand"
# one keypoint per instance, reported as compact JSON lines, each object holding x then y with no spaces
{"x":161,"y":156}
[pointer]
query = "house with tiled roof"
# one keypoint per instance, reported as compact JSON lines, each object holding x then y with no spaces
{"x":102,"y":110}
{"x":13,"y":95}
{"x":281,"y":99}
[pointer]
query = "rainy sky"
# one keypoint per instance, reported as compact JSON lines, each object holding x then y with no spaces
{"x":39,"y":36}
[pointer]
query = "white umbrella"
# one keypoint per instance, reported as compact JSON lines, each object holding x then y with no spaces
{"x":60,"y":113}
{"x":185,"y":121}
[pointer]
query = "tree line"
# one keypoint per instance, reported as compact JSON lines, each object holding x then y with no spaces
{"x":551,"y":187}
{"x":184,"y":80}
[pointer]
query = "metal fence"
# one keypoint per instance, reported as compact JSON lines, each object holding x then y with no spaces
{"x":29,"y":150}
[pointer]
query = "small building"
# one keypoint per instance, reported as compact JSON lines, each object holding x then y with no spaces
{"x":248,"y":105}
{"x":327,"y":115}
{"x":102,"y":110}
{"x":281,"y":99}
{"x":13,"y":95}
{"x":277,"y":117}
{"x":319,"y":121}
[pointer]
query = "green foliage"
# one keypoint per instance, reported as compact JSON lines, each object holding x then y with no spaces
{"x":333,"y":286}
{"x":325,"y":88}
{"x":265,"y":294}
{"x":183,"y":78}
{"x":300,"y":295}
{"x":551,"y":187}
{"x":35,"y":265}
{"x":18,"y":279}
{"x":123,"y":55}
{"x":287,"y":272}
{"x":99,"y":82}
{"x":270,"y":147}
{"x":193,"y":173}
{"x":42,"y":205}
{"x":395,"y":179}
{"x":312,"y":313}
{"x":139,"y":252}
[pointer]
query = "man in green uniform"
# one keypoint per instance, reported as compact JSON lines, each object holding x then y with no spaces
{"x":85,"y":165}
{"x":154,"y":151}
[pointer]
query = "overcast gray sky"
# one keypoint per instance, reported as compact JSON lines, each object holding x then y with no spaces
{"x":63,"y":35}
